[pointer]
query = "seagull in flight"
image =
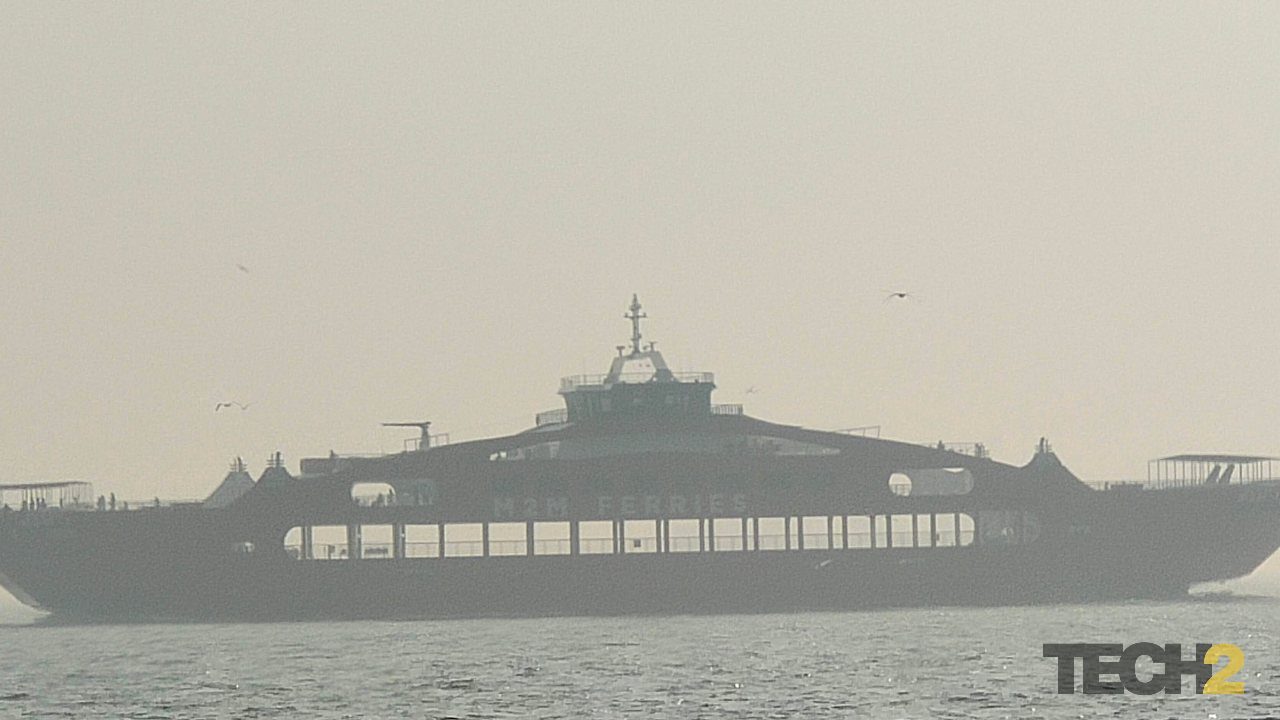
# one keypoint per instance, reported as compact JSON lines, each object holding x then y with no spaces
{"x":897,"y":295}
{"x":242,"y":268}
{"x":221,"y":405}
{"x":750,"y":391}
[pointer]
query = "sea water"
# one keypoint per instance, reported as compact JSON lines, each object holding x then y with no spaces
{"x":948,"y":663}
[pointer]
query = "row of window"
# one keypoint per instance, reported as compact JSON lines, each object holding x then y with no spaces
{"x":337,"y":542}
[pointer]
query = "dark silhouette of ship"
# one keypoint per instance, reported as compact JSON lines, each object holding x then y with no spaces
{"x":641,"y":496}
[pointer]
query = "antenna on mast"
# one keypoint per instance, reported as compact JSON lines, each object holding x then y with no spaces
{"x":635,"y":316}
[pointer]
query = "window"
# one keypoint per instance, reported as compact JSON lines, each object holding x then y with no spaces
{"x":931,"y":481}
{"x":373,"y":494}
{"x":595,"y":537}
{"x":815,"y":533}
{"x":463,"y":540}
{"x":879,"y":531}
{"x":329,"y":542}
{"x":551,"y":538}
{"x":683,"y":535}
{"x":903,"y":535}
{"x":772,"y":533}
{"x":509,"y":538}
{"x":376,"y":542}
{"x":421,"y":541}
{"x":859,"y":528}
{"x":640,"y":536}
{"x":954,"y":529}
{"x":965,"y":530}
{"x":924,"y":529}
{"x":727,"y":533}
{"x":293,"y":543}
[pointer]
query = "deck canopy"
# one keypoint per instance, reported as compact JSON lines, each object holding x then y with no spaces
{"x":52,"y":494}
{"x":1211,"y":469}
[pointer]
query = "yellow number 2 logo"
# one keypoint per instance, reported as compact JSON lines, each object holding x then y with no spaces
{"x":1218,"y":685}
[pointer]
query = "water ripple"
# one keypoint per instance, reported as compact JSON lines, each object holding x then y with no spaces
{"x":968,"y":664}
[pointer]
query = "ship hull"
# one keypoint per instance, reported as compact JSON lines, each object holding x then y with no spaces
{"x":512,"y":587}
{"x":171,"y":564}
{"x":143,"y":586}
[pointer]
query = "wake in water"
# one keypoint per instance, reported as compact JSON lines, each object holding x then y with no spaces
{"x":13,"y":612}
{"x":1263,"y":582}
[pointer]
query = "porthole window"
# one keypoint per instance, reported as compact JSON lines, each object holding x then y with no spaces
{"x":931,"y":481}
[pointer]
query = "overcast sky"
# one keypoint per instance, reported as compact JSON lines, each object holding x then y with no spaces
{"x":443,"y":208}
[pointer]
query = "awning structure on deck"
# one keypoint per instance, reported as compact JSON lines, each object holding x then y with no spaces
{"x":51,"y":494}
{"x":1211,"y":469}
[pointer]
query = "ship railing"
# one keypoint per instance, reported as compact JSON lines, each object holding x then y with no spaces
{"x":573,"y":382}
{"x":152,"y":504}
{"x":606,"y":546}
{"x":726,"y":409}
{"x":436,"y":440}
{"x":7,"y":507}
{"x":861,"y":431}
{"x":1173,"y":483}
{"x":972,"y":449}
{"x":336,"y":463}
{"x":1119,"y":485}
{"x":552,"y":417}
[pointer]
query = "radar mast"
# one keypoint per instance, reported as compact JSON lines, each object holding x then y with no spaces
{"x":635,"y":316}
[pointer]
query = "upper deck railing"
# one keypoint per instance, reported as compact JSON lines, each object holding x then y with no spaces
{"x":103,"y":504}
{"x":551,"y":417}
{"x":1154,"y":484}
{"x":861,"y":431}
{"x":573,"y":382}
{"x":561,"y":415}
{"x":973,"y":449}
{"x":436,"y":440}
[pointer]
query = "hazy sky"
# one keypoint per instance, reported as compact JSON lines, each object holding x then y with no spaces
{"x":443,"y":208}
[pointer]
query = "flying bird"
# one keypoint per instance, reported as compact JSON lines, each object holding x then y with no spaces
{"x":750,"y":391}
{"x":897,"y":295}
{"x":242,"y":268}
{"x":221,"y":405}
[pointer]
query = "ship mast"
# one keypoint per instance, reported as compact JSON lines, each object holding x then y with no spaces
{"x":635,"y":316}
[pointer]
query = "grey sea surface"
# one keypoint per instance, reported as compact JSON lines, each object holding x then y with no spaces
{"x":945,"y":663}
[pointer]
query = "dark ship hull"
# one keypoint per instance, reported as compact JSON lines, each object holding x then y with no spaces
{"x":725,"y":582}
{"x":642,"y":497}
{"x":506,"y":587}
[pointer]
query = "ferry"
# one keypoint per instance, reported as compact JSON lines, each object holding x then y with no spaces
{"x":640,"y":495}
